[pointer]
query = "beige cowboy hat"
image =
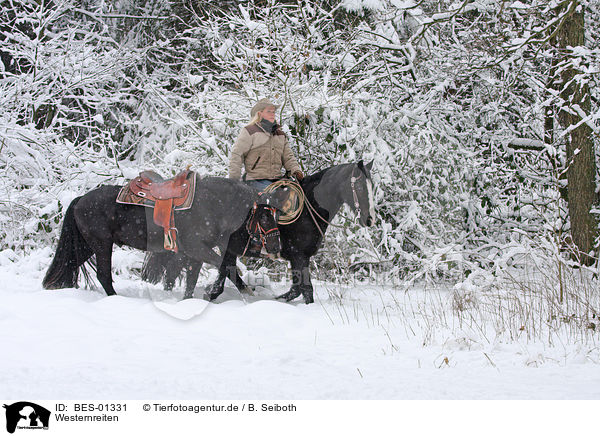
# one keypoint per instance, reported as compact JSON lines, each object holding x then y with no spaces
{"x":261,"y":105}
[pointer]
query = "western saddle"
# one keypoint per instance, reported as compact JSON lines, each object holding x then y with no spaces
{"x":166,"y":195}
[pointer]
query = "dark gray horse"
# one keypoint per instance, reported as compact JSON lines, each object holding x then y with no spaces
{"x":95,"y":221}
{"x":326,"y":192}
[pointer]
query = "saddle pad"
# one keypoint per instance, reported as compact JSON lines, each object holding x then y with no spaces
{"x":126,"y":196}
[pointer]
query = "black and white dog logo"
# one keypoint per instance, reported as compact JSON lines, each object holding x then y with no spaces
{"x":26,"y":415}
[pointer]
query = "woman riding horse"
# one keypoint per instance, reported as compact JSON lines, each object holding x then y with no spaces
{"x":263,"y":149}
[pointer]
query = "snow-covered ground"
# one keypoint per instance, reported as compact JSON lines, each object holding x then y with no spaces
{"x":367,"y":342}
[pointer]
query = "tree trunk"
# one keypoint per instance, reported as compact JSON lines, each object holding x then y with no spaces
{"x":575,"y":103}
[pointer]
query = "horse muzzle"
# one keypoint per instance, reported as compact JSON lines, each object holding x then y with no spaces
{"x":366,"y":222}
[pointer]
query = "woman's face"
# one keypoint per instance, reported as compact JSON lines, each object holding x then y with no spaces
{"x":268,"y":114}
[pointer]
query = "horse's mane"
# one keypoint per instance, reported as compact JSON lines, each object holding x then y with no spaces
{"x":311,"y":181}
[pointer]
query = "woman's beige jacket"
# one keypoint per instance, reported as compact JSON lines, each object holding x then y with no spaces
{"x":262,"y":154}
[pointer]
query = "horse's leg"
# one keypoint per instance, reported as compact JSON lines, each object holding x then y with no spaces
{"x":239,"y":283}
{"x":233,"y":274}
{"x":227,"y":264}
{"x":192,"y":270}
{"x":217,"y":287}
{"x":102,"y":248}
{"x":103,"y":252}
{"x":196,"y":256}
{"x":173,"y":268}
{"x":307,"y":287}
{"x":301,"y":283}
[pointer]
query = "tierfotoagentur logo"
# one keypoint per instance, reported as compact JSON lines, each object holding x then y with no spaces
{"x":26,"y":415}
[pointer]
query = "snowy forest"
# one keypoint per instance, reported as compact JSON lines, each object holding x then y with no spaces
{"x":481,"y":117}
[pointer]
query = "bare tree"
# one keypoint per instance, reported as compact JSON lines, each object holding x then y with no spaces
{"x":573,"y":115}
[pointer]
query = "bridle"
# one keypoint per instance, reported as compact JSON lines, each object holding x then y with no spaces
{"x":353,"y":181}
{"x":314,"y":212}
{"x":254,"y":227}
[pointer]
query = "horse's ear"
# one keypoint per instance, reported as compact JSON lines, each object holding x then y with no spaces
{"x":360,"y":164}
{"x":370,"y":165}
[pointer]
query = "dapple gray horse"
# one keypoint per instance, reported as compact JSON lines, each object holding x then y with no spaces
{"x":95,"y":221}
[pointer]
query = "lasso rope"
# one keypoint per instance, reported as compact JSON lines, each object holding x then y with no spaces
{"x":297,"y":204}
{"x":296,"y":201}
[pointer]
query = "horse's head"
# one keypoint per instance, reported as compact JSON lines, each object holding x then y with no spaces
{"x":360,"y":193}
{"x":263,"y":225}
{"x":271,"y":205}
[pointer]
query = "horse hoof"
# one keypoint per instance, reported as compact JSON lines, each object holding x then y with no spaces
{"x":288,"y":296}
{"x":247,"y":290}
{"x":308,"y":299}
{"x":209,"y":296}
